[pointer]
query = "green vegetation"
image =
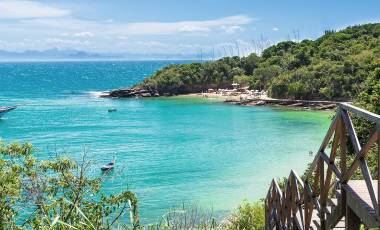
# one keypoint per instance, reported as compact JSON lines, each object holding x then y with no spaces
{"x":249,"y":216}
{"x":185,"y":218}
{"x":338,"y":65}
{"x":56,"y":194}
{"x":197,"y":77}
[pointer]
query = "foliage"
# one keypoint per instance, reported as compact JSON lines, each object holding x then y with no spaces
{"x":185,"y":218}
{"x":369,"y":98}
{"x":248,"y":216}
{"x":55,"y":194}
{"x":243,"y":80}
{"x":197,"y":77}
{"x":338,"y":65}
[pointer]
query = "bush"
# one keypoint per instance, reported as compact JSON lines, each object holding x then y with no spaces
{"x":57,"y":194}
{"x":185,"y":218}
{"x":248,"y":216}
{"x":243,"y":80}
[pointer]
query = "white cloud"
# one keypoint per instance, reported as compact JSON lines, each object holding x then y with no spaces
{"x":190,"y":28}
{"x":232,"y":29}
{"x":73,"y":33}
{"x":275,"y":29}
{"x":76,"y":26}
{"x":65,"y":42}
{"x":205,"y":26}
{"x":153,"y":44}
{"x":28,"y":9}
{"x":83,"y":34}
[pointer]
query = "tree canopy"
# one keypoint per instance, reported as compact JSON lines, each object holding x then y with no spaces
{"x":338,"y":65}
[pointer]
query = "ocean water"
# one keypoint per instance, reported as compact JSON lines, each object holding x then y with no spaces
{"x":170,"y":151}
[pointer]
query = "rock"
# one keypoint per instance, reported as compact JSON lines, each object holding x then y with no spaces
{"x":260,"y":103}
{"x":325,"y":107}
{"x":296,"y":105}
{"x":146,"y":94}
{"x":127,"y":93}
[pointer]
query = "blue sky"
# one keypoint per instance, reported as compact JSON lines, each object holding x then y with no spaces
{"x":173,"y":27}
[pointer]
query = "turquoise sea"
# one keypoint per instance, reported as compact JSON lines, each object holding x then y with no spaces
{"x":169,"y":151}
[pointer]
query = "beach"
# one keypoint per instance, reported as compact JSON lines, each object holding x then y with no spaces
{"x":264,"y":100}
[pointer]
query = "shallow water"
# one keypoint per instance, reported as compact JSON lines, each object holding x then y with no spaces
{"x":168,"y":150}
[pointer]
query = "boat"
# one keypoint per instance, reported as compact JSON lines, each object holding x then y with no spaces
{"x":112,"y":110}
{"x":108,"y":166}
{"x":6,"y":109}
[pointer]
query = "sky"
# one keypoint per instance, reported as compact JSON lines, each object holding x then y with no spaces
{"x":223,"y":27}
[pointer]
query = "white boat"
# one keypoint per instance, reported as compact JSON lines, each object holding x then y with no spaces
{"x":6,"y":109}
{"x":108,"y":166}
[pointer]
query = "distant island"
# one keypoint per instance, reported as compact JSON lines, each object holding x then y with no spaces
{"x":340,"y":65}
{"x":64,"y":54}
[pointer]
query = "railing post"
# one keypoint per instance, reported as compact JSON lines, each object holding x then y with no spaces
{"x":306,"y":201}
{"x":343,"y":162}
{"x":322,"y":191}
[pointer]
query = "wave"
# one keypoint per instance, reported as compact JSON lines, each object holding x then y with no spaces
{"x":96,"y":94}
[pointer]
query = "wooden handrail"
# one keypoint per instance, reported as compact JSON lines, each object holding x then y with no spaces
{"x":292,"y":206}
{"x":361,"y":112}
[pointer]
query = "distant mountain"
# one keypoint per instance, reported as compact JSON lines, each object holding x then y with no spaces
{"x":47,"y":54}
{"x":57,"y":54}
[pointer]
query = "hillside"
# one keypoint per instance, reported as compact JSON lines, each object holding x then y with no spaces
{"x":338,"y":65}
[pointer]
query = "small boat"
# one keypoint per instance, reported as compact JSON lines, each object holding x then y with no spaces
{"x":112,"y":110}
{"x":108,"y":166}
{"x":6,"y":109}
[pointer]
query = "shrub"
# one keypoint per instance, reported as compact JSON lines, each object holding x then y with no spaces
{"x":248,"y":216}
{"x":56,"y":194}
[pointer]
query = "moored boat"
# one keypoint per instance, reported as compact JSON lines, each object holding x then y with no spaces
{"x":108,"y":166}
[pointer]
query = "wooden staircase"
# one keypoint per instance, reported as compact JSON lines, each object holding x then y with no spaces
{"x":327,"y":197}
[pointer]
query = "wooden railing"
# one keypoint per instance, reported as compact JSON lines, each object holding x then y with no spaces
{"x":304,"y":203}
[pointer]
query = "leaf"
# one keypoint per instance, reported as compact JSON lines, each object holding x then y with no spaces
{"x":85,"y":217}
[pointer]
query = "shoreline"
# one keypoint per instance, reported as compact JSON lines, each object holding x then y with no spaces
{"x":238,"y":98}
{"x":267,"y":101}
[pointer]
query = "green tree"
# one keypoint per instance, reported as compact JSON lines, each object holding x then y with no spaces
{"x":243,"y":80}
{"x":248,"y":216}
{"x":57,"y":193}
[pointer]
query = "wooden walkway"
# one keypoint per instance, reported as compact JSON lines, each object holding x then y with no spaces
{"x":327,"y":197}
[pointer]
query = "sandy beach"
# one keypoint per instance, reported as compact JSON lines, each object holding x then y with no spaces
{"x":264,"y":100}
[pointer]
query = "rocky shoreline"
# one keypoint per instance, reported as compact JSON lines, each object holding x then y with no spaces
{"x":129,"y":93}
{"x":237,"y":100}
{"x":297,"y":104}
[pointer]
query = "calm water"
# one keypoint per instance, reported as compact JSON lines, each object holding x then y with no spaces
{"x":169,"y":150}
